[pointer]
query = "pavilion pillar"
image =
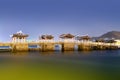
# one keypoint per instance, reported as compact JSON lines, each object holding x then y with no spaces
{"x":24,"y":39}
{"x":14,"y":39}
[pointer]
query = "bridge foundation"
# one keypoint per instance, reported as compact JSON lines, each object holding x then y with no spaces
{"x":68,"y":46}
{"x":19,"y":47}
{"x":84,"y":47}
{"x":47,"y":47}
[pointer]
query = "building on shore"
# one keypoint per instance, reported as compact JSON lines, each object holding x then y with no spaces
{"x":117,"y":42}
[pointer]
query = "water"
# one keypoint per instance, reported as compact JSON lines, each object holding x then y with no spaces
{"x":4,"y":47}
{"x":93,"y":65}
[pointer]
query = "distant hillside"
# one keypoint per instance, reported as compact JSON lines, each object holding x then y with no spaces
{"x":111,"y":34}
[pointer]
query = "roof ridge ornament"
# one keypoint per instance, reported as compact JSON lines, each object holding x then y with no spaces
{"x":20,"y":32}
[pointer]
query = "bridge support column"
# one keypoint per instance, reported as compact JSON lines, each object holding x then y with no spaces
{"x":68,"y":46}
{"x":47,"y":47}
{"x":84,"y":47}
{"x":19,"y":47}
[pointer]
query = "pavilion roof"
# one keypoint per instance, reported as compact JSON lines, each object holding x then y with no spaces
{"x":46,"y":37}
{"x":20,"y":34}
{"x":66,"y":36}
{"x":83,"y":37}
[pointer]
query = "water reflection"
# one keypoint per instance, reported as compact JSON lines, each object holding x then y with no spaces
{"x":20,"y":53}
{"x":68,"y":65}
{"x":85,"y":53}
{"x":47,"y":53}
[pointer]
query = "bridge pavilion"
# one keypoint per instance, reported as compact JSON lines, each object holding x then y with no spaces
{"x":19,"y":37}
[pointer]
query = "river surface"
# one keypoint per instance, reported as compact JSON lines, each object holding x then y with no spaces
{"x":93,"y":65}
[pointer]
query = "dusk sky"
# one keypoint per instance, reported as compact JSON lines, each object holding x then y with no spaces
{"x":79,"y":17}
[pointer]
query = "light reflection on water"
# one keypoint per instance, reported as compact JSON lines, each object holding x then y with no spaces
{"x":82,"y":65}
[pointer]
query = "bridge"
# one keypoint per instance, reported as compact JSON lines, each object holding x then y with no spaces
{"x":47,"y":43}
{"x":50,"y":46}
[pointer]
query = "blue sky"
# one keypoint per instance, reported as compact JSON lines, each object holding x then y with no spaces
{"x":37,"y":17}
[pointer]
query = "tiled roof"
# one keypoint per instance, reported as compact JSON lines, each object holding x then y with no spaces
{"x":67,"y":36}
{"x":19,"y":34}
{"x":46,"y":37}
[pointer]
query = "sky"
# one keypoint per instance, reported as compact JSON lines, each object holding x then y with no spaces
{"x":55,"y":17}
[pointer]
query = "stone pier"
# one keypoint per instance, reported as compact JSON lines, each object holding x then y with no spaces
{"x":67,"y":42}
{"x":47,"y":43}
{"x":19,"y":47}
{"x":84,"y":47}
{"x":68,"y":46}
{"x":19,"y":42}
{"x":47,"y":47}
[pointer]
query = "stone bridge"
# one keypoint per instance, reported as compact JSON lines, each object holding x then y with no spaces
{"x":50,"y":46}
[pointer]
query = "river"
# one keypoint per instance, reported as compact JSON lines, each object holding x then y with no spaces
{"x":78,"y":65}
